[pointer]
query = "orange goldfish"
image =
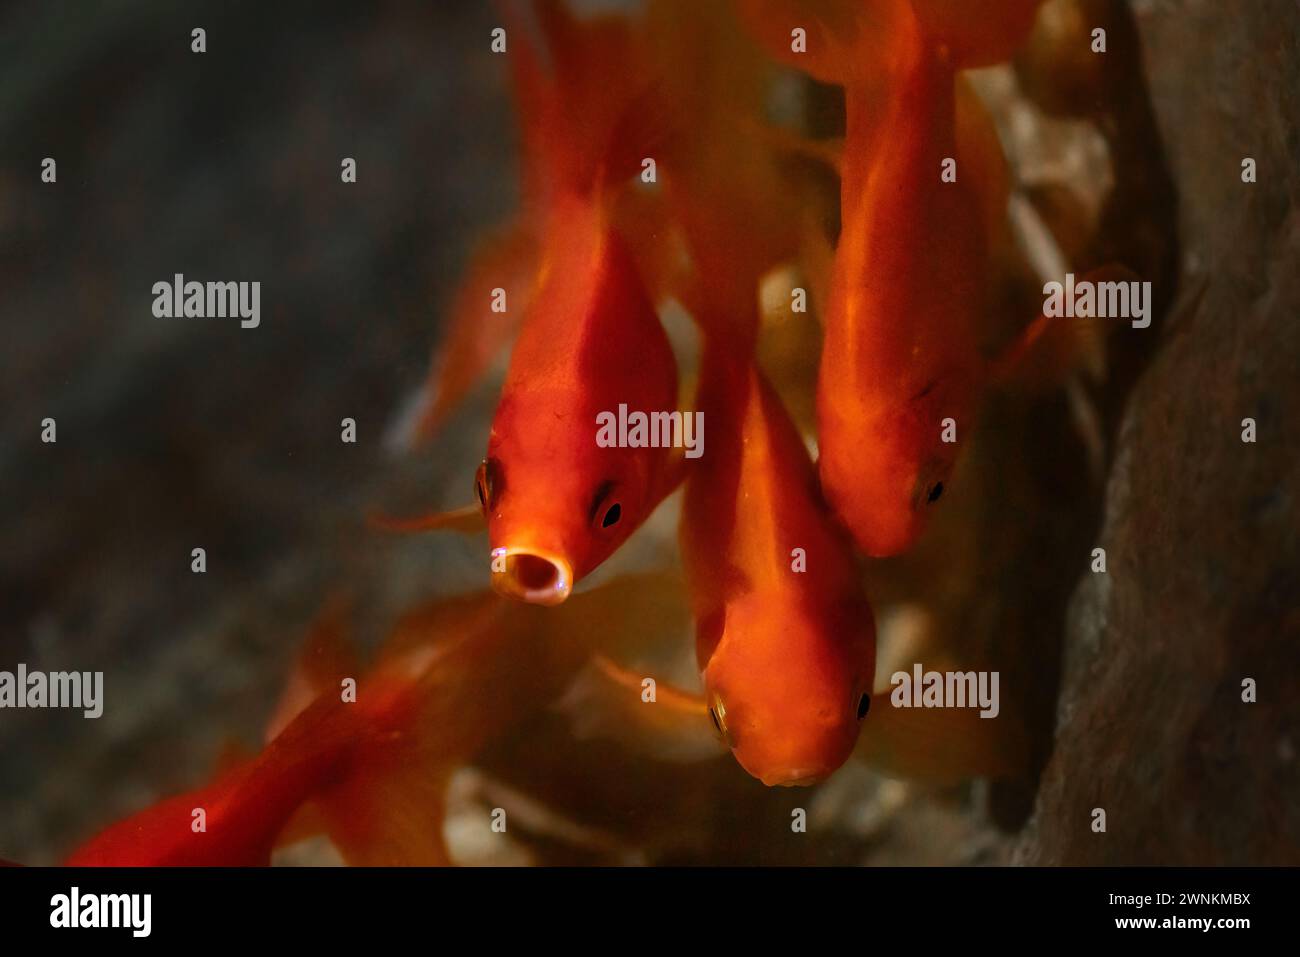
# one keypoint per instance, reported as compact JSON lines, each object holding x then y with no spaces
{"x":236,"y":820}
{"x":784,"y":634}
{"x":372,"y":772}
{"x":558,"y":503}
{"x":901,"y":366}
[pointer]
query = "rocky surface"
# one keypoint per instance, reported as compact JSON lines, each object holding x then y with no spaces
{"x":1201,"y":530}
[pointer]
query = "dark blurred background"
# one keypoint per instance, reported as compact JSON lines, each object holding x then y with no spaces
{"x":180,"y":433}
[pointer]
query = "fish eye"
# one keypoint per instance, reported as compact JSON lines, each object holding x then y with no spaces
{"x":864,"y":705}
{"x":929,"y":486}
{"x":487,"y":483}
{"x":480,"y":485}
{"x":718,"y":714}
{"x":606,"y":510}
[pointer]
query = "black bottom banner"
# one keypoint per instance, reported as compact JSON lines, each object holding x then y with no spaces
{"x":303,"y":905}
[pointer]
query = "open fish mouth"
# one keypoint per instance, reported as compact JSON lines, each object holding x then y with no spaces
{"x":529,"y":575}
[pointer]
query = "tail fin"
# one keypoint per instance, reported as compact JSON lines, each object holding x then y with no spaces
{"x":982,"y":158}
{"x":584,"y":115}
{"x":1051,"y":348}
{"x":977,"y":34}
{"x":388,"y":812}
{"x":735,"y":208}
{"x":849,"y":41}
{"x":834,"y":41}
{"x":468,"y":520}
{"x":611,"y":702}
{"x":475,"y":333}
{"x":326,"y":658}
{"x":942,"y":745}
{"x":452,"y":674}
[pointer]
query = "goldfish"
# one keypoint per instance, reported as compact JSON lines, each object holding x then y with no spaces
{"x":557,"y":503}
{"x":901,"y":367}
{"x":785,"y":636}
{"x":784,"y":633}
{"x":371,"y":772}
{"x":585,"y":261}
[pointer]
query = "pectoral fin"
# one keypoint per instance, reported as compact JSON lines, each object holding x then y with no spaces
{"x":941,"y":745}
{"x":607,"y":701}
{"x":1051,"y":349}
{"x":468,"y":520}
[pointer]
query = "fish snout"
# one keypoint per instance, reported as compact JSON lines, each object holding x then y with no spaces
{"x":530,"y":575}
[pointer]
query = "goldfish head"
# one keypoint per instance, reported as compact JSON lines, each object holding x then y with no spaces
{"x":788,"y":687}
{"x":558,"y":498}
{"x":557,"y":504}
{"x":885,"y":475}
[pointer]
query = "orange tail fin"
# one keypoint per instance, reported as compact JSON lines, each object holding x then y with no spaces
{"x":1050,"y":348}
{"x":848,"y":41}
{"x":475,"y":333}
{"x":379,"y":807}
{"x":941,"y":745}
{"x":835,"y":41}
{"x":977,"y":34}
{"x":585,"y":113}
{"x":736,"y":209}
{"x":468,"y":520}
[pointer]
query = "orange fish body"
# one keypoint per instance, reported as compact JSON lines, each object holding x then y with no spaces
{"x":240,"y":831}
{"x":557,"y":502}
{"x":243,"y":811}
{"x":371,"y":772}
{"x":347,"y":757}
{"x":785,"y":636}
{"x":901,"y":367}
{"x":901,"y":354}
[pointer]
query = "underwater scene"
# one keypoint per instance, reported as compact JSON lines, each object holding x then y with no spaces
{"x":657,"y":432}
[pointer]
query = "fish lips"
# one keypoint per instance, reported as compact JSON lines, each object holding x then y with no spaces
{"x":533,"y":575}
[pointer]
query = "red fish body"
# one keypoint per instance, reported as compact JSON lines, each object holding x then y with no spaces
{"x":785,"y":636}
{"x":557,"y":502}
{"x":371,"y":772}
{"x":243,"y":812}
{"x":901,"y":366}
{"x":900,"y":354}
{"x":350,"y":759}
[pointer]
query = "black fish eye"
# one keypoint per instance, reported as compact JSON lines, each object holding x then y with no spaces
{"x":864,"y":705}
{"x":718,"y":712}
{"x":936,"y":490}
{"x":487,"y":483}
{"x":605,"y":509}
